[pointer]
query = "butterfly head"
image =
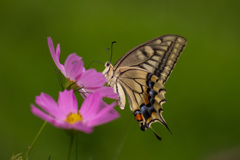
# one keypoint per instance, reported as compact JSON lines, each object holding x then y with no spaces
{"x":108,"y":71}
{"x":107,"y":64}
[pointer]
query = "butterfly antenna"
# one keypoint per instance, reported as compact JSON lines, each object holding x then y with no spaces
{"x":107,"y":49}
{"x":155,"y":133}
{"x":112,"y":49}
{"x":93,"y":62}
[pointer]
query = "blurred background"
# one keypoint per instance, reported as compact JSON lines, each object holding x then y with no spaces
{"x":202,"y":108}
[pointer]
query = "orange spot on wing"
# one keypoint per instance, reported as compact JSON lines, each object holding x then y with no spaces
{"x":146,"y":95}
{"x":139,"y":117}
{"x":149,"y":119}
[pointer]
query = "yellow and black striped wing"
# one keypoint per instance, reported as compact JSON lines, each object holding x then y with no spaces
{"x":157,"y":56}
{"x":145,"y":94}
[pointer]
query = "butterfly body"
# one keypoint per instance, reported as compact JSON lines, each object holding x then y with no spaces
{"x":140,"y":75}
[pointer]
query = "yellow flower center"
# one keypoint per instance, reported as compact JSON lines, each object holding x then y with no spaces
{"x":73,"y":118}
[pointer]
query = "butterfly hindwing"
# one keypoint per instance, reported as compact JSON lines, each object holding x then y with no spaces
{"x":145,"y":93}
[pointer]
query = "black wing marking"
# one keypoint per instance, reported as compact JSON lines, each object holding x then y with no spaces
{"x":145,"y":93}
{"x":157,"y":56}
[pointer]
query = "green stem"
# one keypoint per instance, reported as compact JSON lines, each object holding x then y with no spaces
{"x":76,"y":148}
{"x":122,"y":141}
{"x":34,"y":140}
{"x":70,"y":147}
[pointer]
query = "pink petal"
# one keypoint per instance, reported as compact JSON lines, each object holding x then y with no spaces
{"x":106,"y":115}
{"x":73,"y":66}
{"x":67,"y":102}
{"x":96,"y":112}
{"x":91,"y":79}
{"x":56,"y":55}
{"x":107,"y":92}
{"x":48,"y":104}
{"x":39,"y":113}
{"x":82,"y":127}
{"x":58,"y":50}
{"x":90,"y":106}
{"x":36,"y":111}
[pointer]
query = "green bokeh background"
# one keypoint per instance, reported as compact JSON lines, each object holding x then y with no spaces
{"x":202,"y":108}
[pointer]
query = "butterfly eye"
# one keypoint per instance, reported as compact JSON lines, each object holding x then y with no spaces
{"x":107,"y":64}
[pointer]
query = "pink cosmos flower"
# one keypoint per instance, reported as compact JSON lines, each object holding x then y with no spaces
{"x":65,"y":113}
{"x":73,"y":69}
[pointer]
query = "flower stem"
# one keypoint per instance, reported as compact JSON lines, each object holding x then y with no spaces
{"x":117,"y":152}
{"x":70,"y":147}
{"x":34,"y":140}
{"x":77,"y":148}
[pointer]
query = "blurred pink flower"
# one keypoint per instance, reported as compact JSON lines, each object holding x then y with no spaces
{"x":65,"y":113}
{"x":89,"y":81}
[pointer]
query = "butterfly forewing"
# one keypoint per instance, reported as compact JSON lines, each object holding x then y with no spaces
{"x":157,"y":56}
{"x":132,"y":81}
